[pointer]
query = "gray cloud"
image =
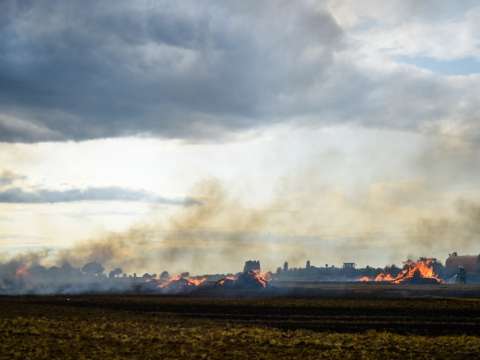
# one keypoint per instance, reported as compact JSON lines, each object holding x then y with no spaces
{"x":18,"y":195}
{"x":89,"y":70}
{"x":8,"y":177}
{"x":86,"y":70}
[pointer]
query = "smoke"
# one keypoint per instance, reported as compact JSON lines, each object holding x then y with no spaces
{"x":460,"y":230}
{"x":217,"y":234}
{"x":305,"y":220}
{"x":447,"y":165}
{"x":430,"y":211}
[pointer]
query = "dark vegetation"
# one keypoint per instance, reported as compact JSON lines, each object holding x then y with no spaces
{"x":163,"y":327}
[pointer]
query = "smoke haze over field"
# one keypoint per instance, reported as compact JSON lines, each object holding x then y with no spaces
{"x":222,"y":231}
{"x":153,"y":135}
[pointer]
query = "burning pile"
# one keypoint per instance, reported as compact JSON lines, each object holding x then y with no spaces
{"x":181,"y":283}
{"x":249,"y":280}
{"x":253,"y":279}
{"x":414,"y":272}
{"x":18,"y":277}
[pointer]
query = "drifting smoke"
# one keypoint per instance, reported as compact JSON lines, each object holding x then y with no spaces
{"x":460,"y":230}
{"x":448,"y":166}
{"x":215,"y":235}
{"x":221,"y":231}
{"x":424,"y":213}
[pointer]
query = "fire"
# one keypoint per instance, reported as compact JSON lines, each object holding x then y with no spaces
{"x":22,"y":271}
{"x":196,"y":281}
{"x":253,"y":279}
{"x":179,"y":280}
{"x":249,"y":279}
{"x":384,"y":277}
{"x":413,"y":271}
{"x":422,"y":268}
{"x":226,"y":279}
{"x":261,"y":278}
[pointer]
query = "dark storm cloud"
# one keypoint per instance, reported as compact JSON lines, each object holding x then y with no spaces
{"x":190,"y":70}
{"x":18,"y":195}
{"x":82,"y":70}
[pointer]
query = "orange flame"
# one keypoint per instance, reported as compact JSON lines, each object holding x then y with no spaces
{"x":384,"y":277}
{"x":22,"y":271}
{"x":423,"y":269}
{"x":222,"y":282}
{"x":196,"y":281}
{"x":183,"y":282}
{"x":262,"y":278}
{"x":188,"y":281}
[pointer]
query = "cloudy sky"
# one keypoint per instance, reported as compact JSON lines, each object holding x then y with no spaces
{"x":333,"y":130}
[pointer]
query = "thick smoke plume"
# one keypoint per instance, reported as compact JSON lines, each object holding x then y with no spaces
{"x":215,"y":235}
{"x":387,"y":221}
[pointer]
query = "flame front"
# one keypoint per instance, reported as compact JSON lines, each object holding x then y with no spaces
{"x":249,"y":279}
{"x":196,"y":281}
{"x":22,"y":271}
{"x":226,"y":279}
{"x":183,"y":281}
{"x":261,"y":278}
{"x":384,"y":277}
{"x":423,"y":269}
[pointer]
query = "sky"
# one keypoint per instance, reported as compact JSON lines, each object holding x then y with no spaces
{"x":192,"y":136}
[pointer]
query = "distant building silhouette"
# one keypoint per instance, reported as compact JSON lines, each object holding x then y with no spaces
{"x":251,"y":265}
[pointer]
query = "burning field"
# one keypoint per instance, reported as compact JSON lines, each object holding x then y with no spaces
{"x":250,"y":314}
{"x":250,"y":280}
{"x":22,"y":278}
{"x":18,"y":278}
{"x":414,"y":272}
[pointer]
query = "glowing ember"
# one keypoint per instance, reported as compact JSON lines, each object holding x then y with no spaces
{"x":384,"y":277}
{"x":178,"y":281}
{"x":22,"y":271}
{"x":421,"y":271}
{"x":261,"y":278}
{"x":253,"y":279}
{"x":249,"y":279}
{"x":226,"y":280}
{"x":196,"y":281}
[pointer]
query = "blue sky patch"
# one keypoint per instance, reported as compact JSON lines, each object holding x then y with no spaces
{"x":464,"y":66}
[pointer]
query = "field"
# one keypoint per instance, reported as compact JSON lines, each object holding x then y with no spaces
{"x":264,"y":327}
